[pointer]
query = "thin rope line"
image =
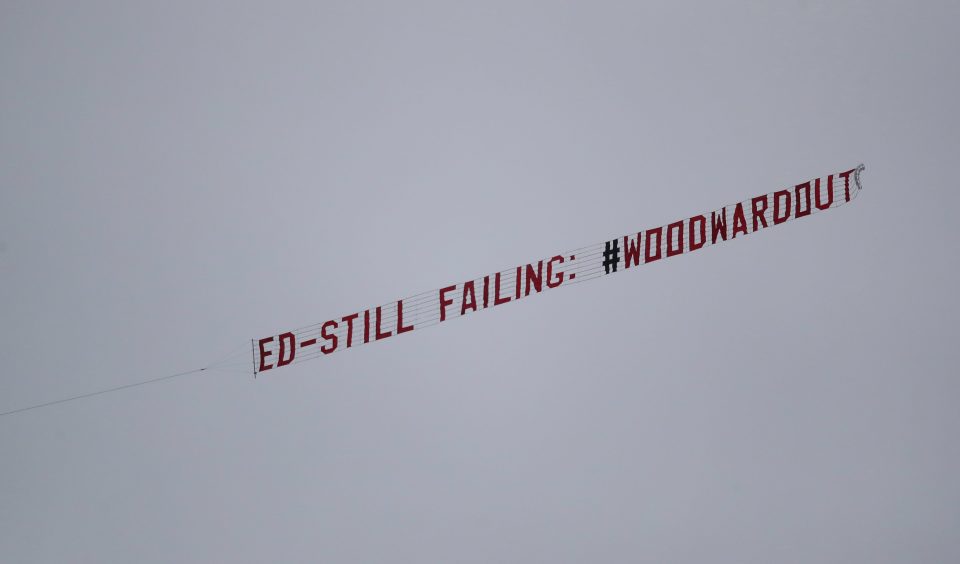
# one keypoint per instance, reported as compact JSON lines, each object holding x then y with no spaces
{"x":106,"y":391}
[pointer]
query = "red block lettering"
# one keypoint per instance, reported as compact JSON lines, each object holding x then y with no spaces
{"x":821,"y":205}
{"x":264,"y":353}
{"x":327,"y":349}
{"x":702,"y":221}
{"x":444,"y":302}
{"x":380,"y":335}
{"x":739,"y":221}
{"x":671,"y":250}
{"x":400,"y":327}
{"x":759,"y":205}
{"x":805,"y":188}
{"x":718,"y":225}
{"x":471,"y":304}
{"x":846,"y":182}
{"x":777,"y":196}
{"x":497,"y":300}
{"x":534,"y":278}
{"x":658,"y":231}
{"x":631,"y":251}
{"x":287,"y":342}
{"x":551,"y":283}
{"x":348,"y":319}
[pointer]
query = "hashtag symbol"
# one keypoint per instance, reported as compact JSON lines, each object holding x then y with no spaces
{"x":611,"y":256}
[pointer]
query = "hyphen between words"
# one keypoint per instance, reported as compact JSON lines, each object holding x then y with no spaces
{"x":500,"y":288}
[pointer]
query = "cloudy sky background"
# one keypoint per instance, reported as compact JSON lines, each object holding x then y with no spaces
{"x":178,"y":178}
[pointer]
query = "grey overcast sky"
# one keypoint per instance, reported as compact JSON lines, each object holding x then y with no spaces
{"x":178,"y":177}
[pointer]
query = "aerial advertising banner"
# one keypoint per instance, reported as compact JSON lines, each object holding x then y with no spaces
{"x":621,"y":254}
